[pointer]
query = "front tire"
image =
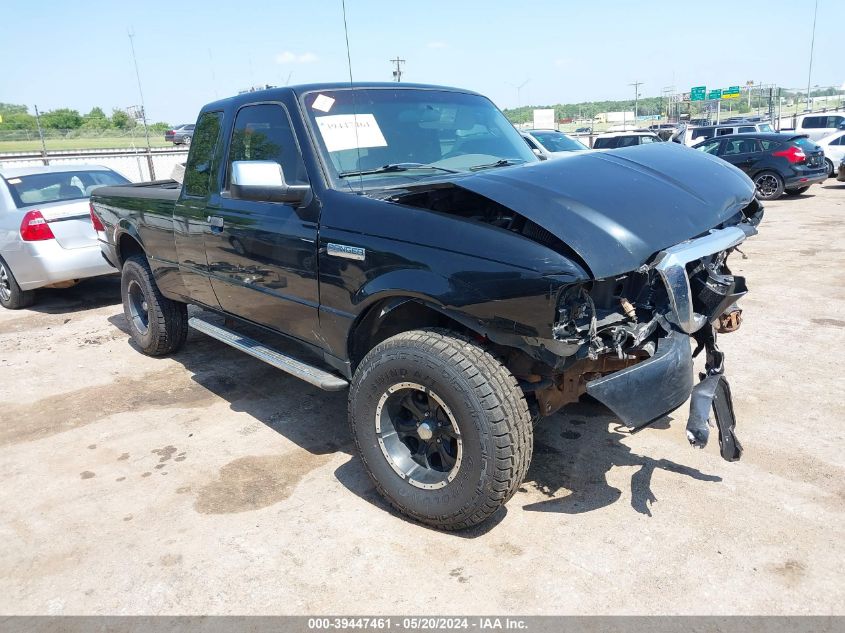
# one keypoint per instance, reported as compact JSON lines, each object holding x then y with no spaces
{"x":442,"y":427}
{"x":769,"y":185}
{"x":11,"y":295}
{"x":831,"y":169}
{"x":158,"y":325}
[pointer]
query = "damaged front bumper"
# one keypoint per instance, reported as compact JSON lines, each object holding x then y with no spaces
{"x":643,"y":392}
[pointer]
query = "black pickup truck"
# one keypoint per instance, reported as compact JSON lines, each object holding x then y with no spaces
{"x":459,"y":288}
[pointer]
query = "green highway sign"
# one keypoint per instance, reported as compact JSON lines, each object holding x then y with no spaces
{"x":715,"y":94}
{"x":731,"y":93}
{"x":696,"y":93}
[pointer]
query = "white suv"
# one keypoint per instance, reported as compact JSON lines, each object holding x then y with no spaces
{"x":693,"y":135}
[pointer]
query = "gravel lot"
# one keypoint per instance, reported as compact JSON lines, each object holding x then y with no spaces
{"x":211,"y":483}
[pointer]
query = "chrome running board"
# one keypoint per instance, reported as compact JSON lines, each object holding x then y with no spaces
{"x":310,"y":374}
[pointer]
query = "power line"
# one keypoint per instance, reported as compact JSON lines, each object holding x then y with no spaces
{"x":397,"y":74}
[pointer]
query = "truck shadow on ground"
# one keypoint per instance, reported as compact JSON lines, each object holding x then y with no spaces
{"x":88,"y":294}
{"x":573,"y":450}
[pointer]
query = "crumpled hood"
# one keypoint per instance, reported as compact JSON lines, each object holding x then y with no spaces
{"x":618,"y":208}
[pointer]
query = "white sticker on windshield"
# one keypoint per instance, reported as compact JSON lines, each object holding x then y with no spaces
{"x":14,"y":181}
{"x":323,"y":103}
{"x":348,"y":131}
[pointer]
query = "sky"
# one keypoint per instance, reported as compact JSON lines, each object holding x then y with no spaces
{"x":59,"y":53}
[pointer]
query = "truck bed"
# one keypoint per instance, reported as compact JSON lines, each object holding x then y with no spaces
{"x":156,"y":190}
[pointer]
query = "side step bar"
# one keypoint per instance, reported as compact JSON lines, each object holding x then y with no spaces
{"x":310,"y":374}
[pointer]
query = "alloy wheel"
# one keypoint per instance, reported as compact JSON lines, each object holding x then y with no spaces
{"x":139,"y":309}
{"x":5,"y":284}
{"x":767,"y":185}
{"x":418,"y":435}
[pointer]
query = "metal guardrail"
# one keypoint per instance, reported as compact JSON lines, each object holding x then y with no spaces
{"x":95,"y":153}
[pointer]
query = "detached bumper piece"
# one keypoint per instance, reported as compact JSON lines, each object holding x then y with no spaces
{"x":714,"y":392}
{"x":643,"y":392}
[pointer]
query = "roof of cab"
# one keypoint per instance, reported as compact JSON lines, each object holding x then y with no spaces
{"x":31,"y":170}
{"x":276,"y":93}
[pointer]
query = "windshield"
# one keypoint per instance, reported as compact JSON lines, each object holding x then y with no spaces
{"x":60,"y":185}
{"x":417,"y":133}
{"x":557,"y":142}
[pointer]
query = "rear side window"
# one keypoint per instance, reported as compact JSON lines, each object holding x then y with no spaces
{"x":767,"y":145}
{"x":740,"y":146}
{"x":703,"y":133}
{"x":811,"y":122}
{"x":198,"y":170}
{"x":263,"y":132}
{"x":724,"y":131}
{"x":805,"y":144}
{"x":747,"y":129}
{"x":605,"y":143}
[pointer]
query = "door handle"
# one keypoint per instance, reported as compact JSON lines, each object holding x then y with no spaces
{"x":215,"y":221}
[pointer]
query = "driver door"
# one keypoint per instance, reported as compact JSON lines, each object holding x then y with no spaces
{"x":262,"y":256}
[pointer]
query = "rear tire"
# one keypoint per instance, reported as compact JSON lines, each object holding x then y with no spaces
{"x":158,"y":325}
{"x":769,"y":185}
{"x":11,"y":295}
{"x":797,"y":192}
{"x":460,"y":448}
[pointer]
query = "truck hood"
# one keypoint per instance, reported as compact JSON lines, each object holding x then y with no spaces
{"x":617,"y":208}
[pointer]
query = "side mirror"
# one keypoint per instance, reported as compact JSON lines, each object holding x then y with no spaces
{"x":539,"y":154}
{"x":263,"y":181}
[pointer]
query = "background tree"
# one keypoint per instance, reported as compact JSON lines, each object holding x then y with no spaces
{"x":62,"y":119}
{"x":121,"y":120}
{"x":96,"y":119}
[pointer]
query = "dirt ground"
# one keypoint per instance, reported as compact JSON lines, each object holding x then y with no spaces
{"x":209,"y":482}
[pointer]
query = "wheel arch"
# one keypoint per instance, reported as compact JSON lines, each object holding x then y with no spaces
{"x":127,"y":243}
{"x":391,"y":315}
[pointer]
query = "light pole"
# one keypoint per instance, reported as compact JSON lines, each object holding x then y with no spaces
{"x":812,"y":46}
{"x":636,"y":85}
{"x":519,"y":91}
{"x":143,"y":107}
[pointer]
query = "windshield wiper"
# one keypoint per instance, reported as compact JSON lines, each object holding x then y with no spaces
{"x":394,"y":167}
{"x":504,"y":162}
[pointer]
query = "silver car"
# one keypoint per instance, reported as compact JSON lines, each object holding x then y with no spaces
{"x":47,"y":237}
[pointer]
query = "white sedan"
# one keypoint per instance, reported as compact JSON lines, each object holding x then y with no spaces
{"x":551,"y":143}
{"x":46,"y":233}
{"x":834,"y":151}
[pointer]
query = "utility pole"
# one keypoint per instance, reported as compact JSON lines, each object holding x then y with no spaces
{"x":41,"y":135}
{"x":636,"y":85}
{"x":143,"y":106}
{"x":812,"y":46}
{"x":397,"y":74}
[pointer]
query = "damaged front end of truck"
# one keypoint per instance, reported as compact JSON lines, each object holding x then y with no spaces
{"x":630,"y":337}
{"x":653,"y":228}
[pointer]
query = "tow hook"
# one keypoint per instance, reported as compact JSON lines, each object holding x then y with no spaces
{"x":714,"y":392}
